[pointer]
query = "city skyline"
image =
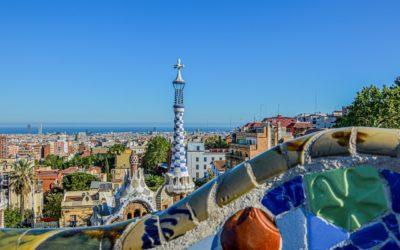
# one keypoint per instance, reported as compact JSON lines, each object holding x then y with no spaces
{"x":105,"y":62}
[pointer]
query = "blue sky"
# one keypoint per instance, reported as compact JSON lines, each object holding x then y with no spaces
{"x":111,"y":61}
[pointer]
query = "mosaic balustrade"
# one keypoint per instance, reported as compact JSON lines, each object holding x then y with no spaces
{"x":356,"y":206}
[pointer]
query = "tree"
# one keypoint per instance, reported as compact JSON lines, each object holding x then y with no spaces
{"x":54,"y":161}
{"x":22,"y":181}
{"x":374,"y":107}
{"x":157,"y":152}
{"x":154,"y":181}
{"x":397,"y":82}
{"x":52,"y":205}
{"x":200,"y":182}
{"x":117,"y":149}
{"x":78,"y":181}
{"x":215,"y":141}
{"x":12,"y":218}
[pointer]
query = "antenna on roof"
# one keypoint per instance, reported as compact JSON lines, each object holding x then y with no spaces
{"x":315,"y":103}
{"x":278,"y":108}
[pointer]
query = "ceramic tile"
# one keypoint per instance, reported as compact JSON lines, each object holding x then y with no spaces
{"x":370,"y":236}
{"x":284,"y":197}
{"x":393,"y":180}
{"x":291,"y":225}
{"x":392,"y":224}
{"x":250,"y":228}
{"x":323,"y":235}
{"x":391,"y":245}
{"x":345,"y":197}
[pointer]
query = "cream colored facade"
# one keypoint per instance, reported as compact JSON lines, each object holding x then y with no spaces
{"x":77,"y":207}
{"x":123,"y":160}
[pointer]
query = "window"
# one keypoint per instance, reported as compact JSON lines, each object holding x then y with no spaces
{"x":205,"y":159}
{"x":197,"y":167}
{"x":198,"y":148}
{"x":197,"y":175}
{"x":205,"y":166}
{"x":136,"y":213}
{"x":212,"y":158}
{"x":220,"y":158}
{"x":197,"y":159}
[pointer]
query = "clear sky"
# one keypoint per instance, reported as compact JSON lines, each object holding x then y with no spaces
{"x":111,"y":61}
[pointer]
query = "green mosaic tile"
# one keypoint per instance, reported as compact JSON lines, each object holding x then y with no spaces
{"x":346,"y":197}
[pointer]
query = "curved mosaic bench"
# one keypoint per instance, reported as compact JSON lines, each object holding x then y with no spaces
{"x":336,"y":189}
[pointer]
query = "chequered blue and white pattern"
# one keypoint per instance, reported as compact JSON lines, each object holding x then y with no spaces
{"x":178,"y":161}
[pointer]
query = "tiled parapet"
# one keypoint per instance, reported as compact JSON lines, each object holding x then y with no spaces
{"x":143,"y":234}
{"x":348,"y":197}
{"x":371,"y":236}
{"x":284,"y":197}
{"x":393,"y":180}
{"x":331,"y":143}
{"x":268,"y":164}
{"x":353,"y":190}
{"x":235,"y":183}
{"x":392,"y":225}
{"x":323,"y":235}
{"x":378,"y":141}
{"x":293,"y":229}
{"x":250,"y":228}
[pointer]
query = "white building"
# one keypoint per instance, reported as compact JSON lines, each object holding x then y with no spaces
{"x":320,"y":120}
{"x":199,"y":159}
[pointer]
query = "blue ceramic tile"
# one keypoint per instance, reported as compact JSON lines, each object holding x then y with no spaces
{"x":393,"y":180}
{"x":291,"y":225}
{"x":347,"y":247}
{"x":323,"y":235}
{"x":392,"y":224}
{"x":391,"y":245}
{"x":283,"y":198}
{"x":369,"y":236}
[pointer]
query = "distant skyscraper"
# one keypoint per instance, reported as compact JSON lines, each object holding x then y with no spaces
{"x":29,"y":128}
{"x":40,"y":129}
{"x":179,"y":182}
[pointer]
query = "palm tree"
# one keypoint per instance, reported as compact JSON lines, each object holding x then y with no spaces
{"x":22,"y":181}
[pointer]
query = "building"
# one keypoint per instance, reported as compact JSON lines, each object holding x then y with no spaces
{"x":122,"y":160}
{"x":77,"y":207}
{"x":3,"y":147}
{"x":199,"y":160}
{"x":321,"y":120}
{"x":49,"y":178}
{"x":133,"y":199}
{"x":248,"y":142}
{"x":218,"y":167}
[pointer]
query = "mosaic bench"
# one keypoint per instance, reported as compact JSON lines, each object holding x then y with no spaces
{"x":336,"y":189}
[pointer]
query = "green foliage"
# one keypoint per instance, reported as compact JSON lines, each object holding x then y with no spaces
{"x":202,"y":181}
{"x":21,"y":181}
{"x":78,"y":181}
{"x":157,"y":152}
{"x":12,"y":218}
{"x":215,"y":141}
{"x":105,"y":161}
{"x":374,"y":107}
{"x":52,"y":205}
{"x":117,"y":149}
{"x":154,"y":181}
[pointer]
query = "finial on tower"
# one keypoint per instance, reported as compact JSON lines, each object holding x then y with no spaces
{"x":179,"y":67}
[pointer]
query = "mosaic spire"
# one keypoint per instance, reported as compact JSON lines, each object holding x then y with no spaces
{"x":178,"y":168}
{"x":178,"y":162}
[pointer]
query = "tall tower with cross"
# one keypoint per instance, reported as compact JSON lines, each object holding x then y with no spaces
{"x":179,"y":183}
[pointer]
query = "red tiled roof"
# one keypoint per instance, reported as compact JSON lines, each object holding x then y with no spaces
{"x":285,"y":121}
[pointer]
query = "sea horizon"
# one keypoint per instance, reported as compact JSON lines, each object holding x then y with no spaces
{"x":102,"y":128}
